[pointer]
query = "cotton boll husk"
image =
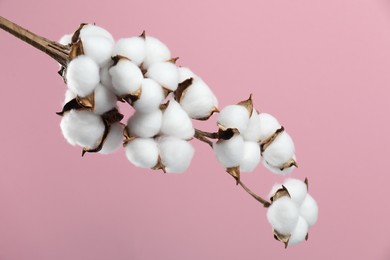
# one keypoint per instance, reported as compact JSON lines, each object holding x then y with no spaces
{"x":274,"y":189}
{"x":98,"y":48}
{"x":268,"y":126}
{"x":309,"y":210}
{"x":251,"y":157}
{"x":89,"y":30}
{"x":126,"y":77}
{"x":114,"y":139}
{"x":176,"y":122}
{"x":283,"y":215}
{"x":186,"y":73}
{"x":151,"y":97}
{"x":83,"y":128}
{"x":280,"y":151}
{"x":142,"y":152}
{"x":105,"y":77}
{"x":156,"y":51}
{"x":253,"y":130}
{"x":234,"y":116}
{"x":299,"y":233}
{"x":65,"y":39}
{"x":145,"y":124}
{"x":104,"y":100}
{"x":133,"y":48}
{"x":297,"y":190}
{"x":277,"y":170}
{"x":230,"y":152}
{"x":176,"y":154}
{"x":165,"y":74}
{"x":198,"y":100}
{"x":82,"y":75}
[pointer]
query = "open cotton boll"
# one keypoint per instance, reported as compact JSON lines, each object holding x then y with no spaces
{"x":277,"y":170}
{"x":234,"y":116}
{"x":176,"y":154}
{"x":104,"y":100}
{"x":253,"y":130}
{"x":156,"y":51}
{"x":268,"y":126}
{"x":283,"y":215}
{"x":198,"y":100}
{"x":133,"y":48}
{"x":142,"y":152}
{"x":145,"y":124}
{"x":89,"y":30}
{"x":82,"y":75}
{"x":126,"y":77}
{"x":65,"y":39}
{"x":297,"y":190}
{"x":165,"y":74}
{"x":83,"y":128}
{"x":114,"y":139}
{"x":230,"y":152}
{"x":98,"y":48}
{"x":186,"y":73}
{"x":176,"y":122}
{"x":151,"y":96}
{"x":280,"y":151}
{"x":299,"y":233}
{"x":309,"y":210}
{"x":251,"y":157}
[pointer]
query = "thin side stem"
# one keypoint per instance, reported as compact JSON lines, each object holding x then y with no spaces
{"x":203,"y":136}
{"x":254,"y":195}
{"x":57,"y":51}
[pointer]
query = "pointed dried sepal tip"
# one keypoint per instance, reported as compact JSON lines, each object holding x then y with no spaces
{"x":307,"y":237}
{"x":76,"y":50}
{"x":101,"y":142}
{"x":248,"y":104}
{"x":76,"y":34}
{"x":173,"y":60}
{"x":289,"y":164}
{"x":282,"y":238}
{"x":87,"y":102}
{"x":282,"y":192}
{"x":212,"y":111}
{"x":179,"y":92}
{"x":127,"y":136}
{"x":307,"y":183}
{"x":267,"y":142}
{"x":131,"y":98}
{"x":143,"y":34}
{"x":159,"y":165}
{"x":235,"y":173}
{"x":72,"y":104}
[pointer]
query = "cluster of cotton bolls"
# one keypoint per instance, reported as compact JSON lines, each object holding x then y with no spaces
{"x":245,"y":136}
{"x":292,"y":212}
{"x":138,"y":70}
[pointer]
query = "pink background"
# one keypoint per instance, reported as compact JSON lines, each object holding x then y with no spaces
{"x":321,"y":67}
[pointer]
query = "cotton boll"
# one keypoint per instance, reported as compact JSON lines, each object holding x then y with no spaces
{"x":277,"y":170}
{"x":156,"y":51}
{"x":114,"y":139}
{"x":176,"y":154}
{"x":165,"y":74}
{"x":151,"y":97}
{"x":251,"y":157}
{"x":283,"y":215}
{"x":280,"y":151}
{"x":230,"y":152}
{"x":309,"y":210}
{"x":82,"y":75}
{"x":126,"y":77}
{"x":268,"y":126}
{"x":89,"y":30}
{"x":66,"y":39}
{"x":83,"y":128}
{"x":98,"y":48}
{"x":175,"y":122}
{"x":145,"y":124}
{"x":253,"y":131}
{"x":133,"y":48}
{"x":299,"y":233}
{"x":297,"y":190}
{"x":234,"y":116}
{"x":186,"y":73}
{"x":198,"y":100}
{"x":142,"y":152}
{"x":104,"y":100}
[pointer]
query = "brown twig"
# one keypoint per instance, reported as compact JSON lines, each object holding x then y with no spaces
{"x":57,"y":51}
{"x":265,"y":203}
